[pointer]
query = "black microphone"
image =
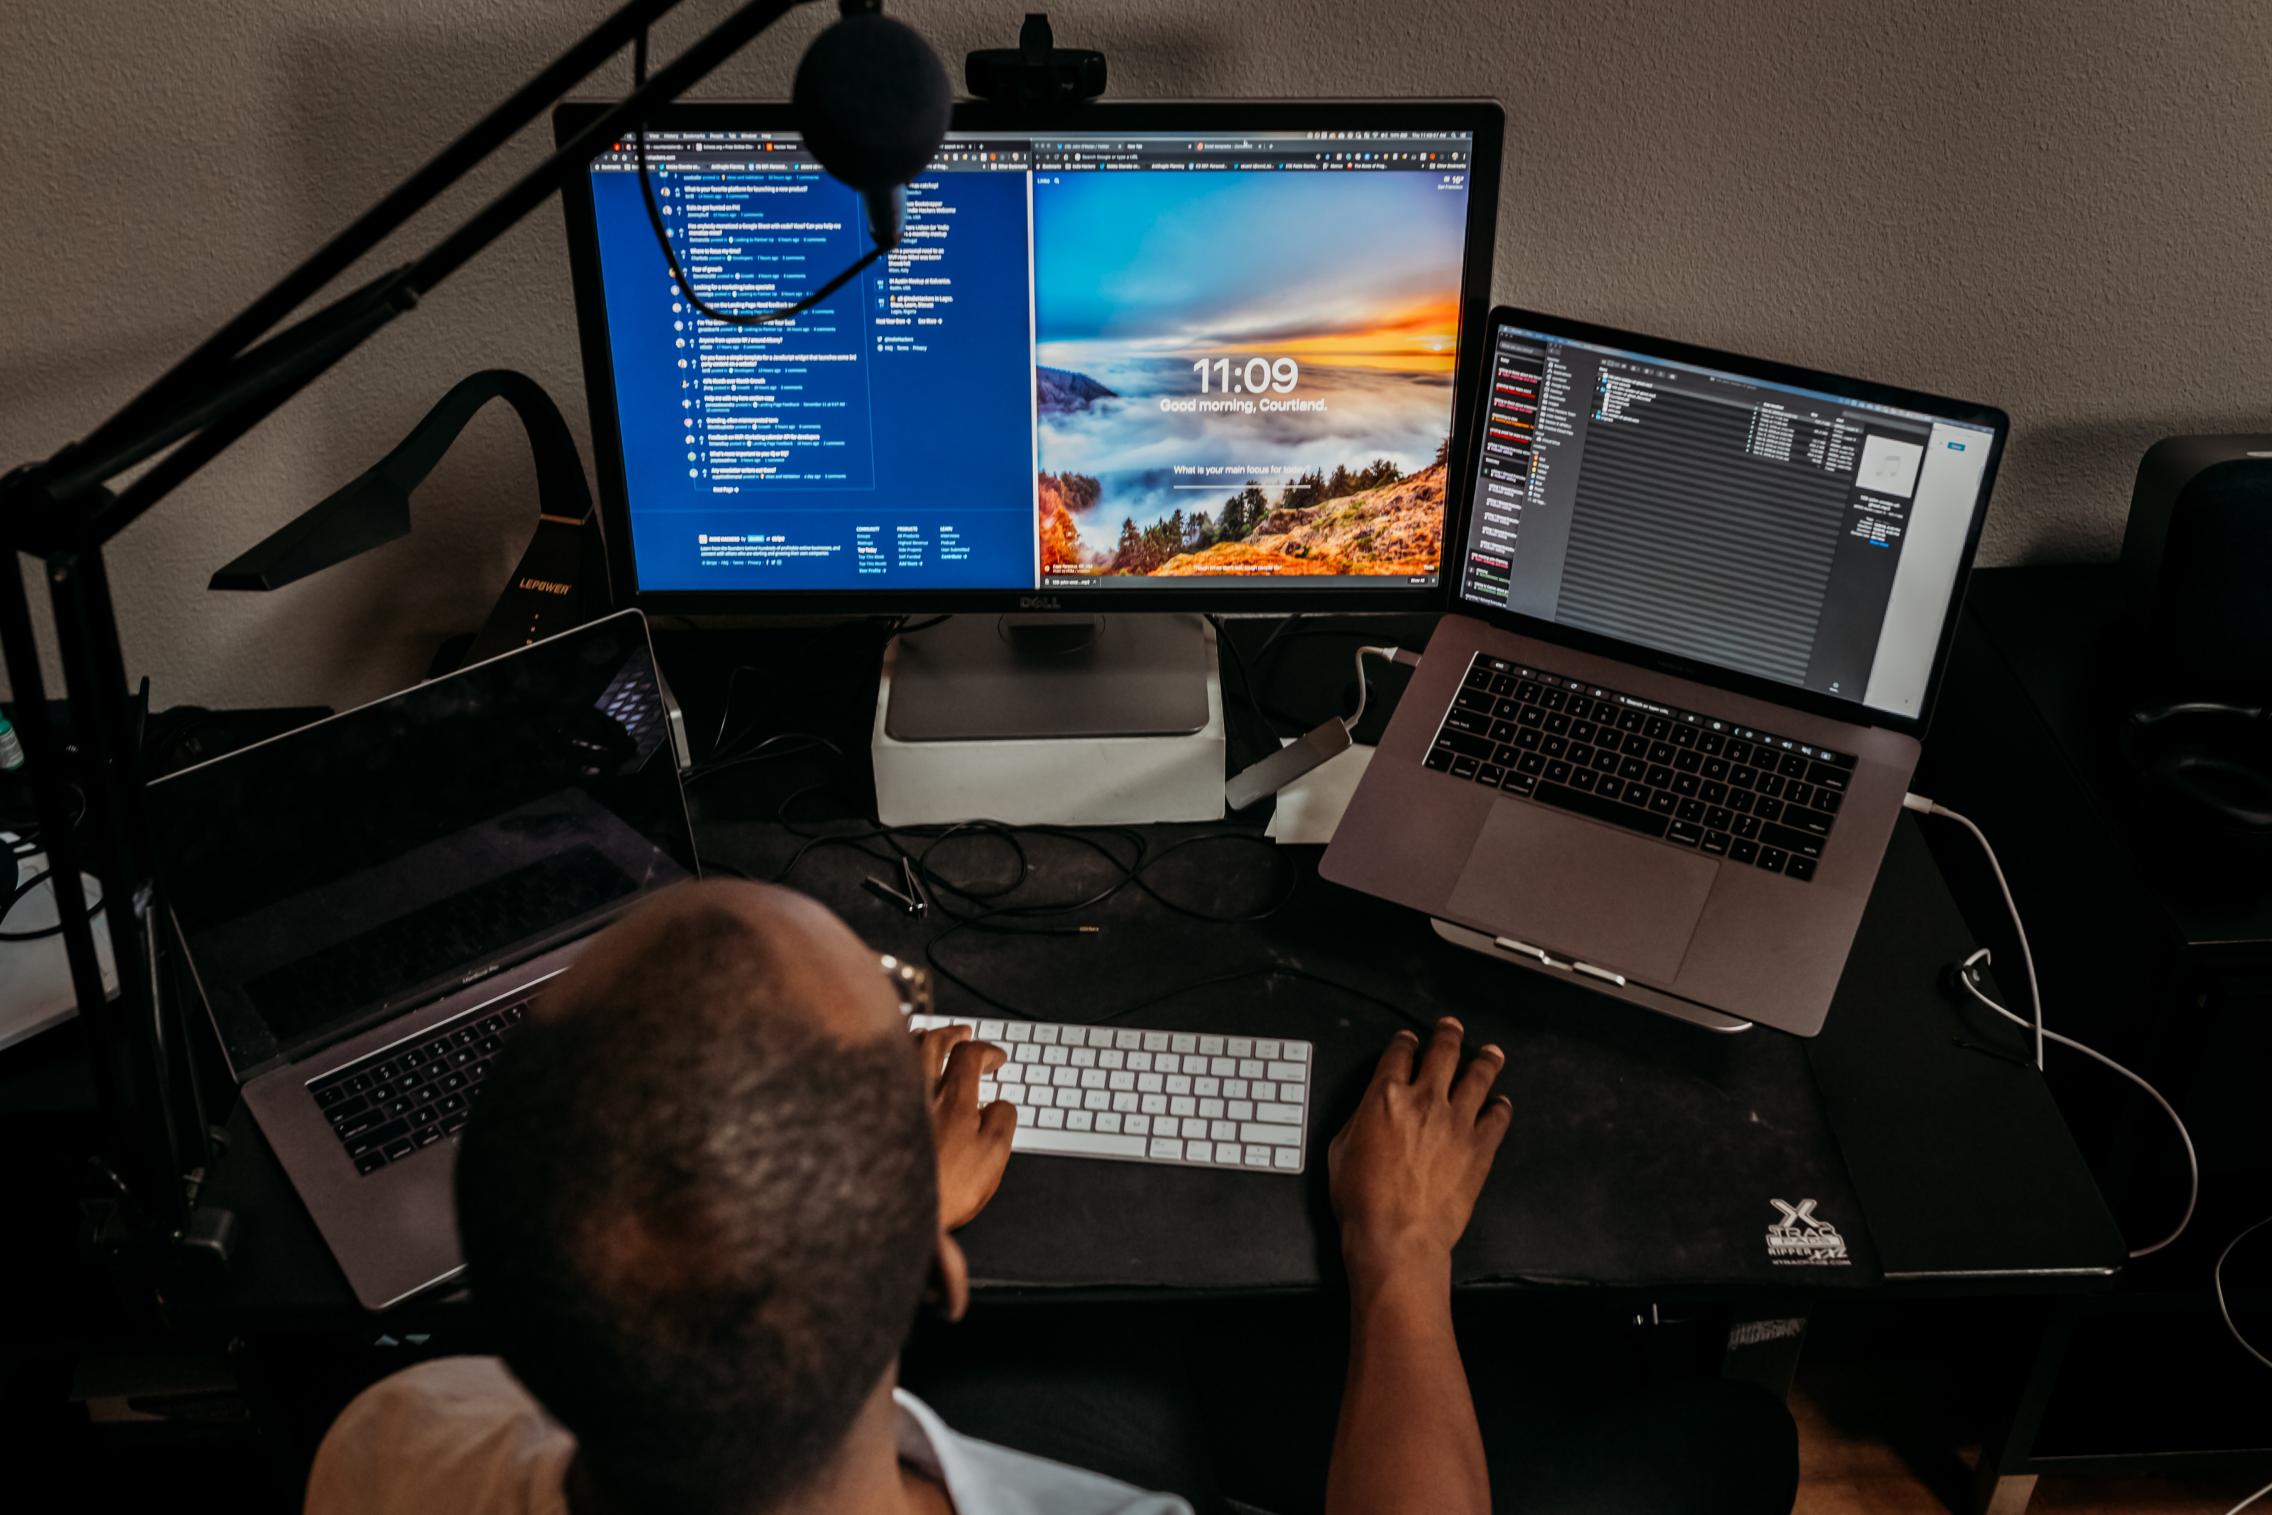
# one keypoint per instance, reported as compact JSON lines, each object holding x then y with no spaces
{"x":873,"y":104}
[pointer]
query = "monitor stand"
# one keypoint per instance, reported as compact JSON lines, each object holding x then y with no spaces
{"x":1051,"y":719}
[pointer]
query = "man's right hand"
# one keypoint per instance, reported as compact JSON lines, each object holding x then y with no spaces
{"x":973,"y":1142}
{"x":1406,"y":1170}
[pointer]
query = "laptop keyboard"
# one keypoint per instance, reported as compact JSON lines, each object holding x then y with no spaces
{"x":387,"y":1106}
{"x":1680,"y":776}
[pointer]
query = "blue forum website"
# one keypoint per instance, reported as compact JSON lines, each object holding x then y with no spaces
{"x":1093,"y":360}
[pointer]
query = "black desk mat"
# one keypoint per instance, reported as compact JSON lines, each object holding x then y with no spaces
{"x":1644,"y":1152}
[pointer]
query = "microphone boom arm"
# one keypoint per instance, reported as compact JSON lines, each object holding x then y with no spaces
{"x":64,"y":512}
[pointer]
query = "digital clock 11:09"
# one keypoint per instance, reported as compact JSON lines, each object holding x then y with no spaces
{"x":1221,"y":375}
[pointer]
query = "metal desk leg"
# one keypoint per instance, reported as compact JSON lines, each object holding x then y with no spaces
{"x":2002,"y":1484}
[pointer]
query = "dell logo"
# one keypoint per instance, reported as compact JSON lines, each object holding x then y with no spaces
{"x":1038,"y":602}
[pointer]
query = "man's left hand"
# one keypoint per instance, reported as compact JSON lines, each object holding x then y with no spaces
{"x":973,"y":1143}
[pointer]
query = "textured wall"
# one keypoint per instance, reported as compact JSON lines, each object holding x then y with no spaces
{"x":2056,"y":206}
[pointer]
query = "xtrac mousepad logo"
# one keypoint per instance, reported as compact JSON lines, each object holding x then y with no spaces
{"x":1800,"y":1238}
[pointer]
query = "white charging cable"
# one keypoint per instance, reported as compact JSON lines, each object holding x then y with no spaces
{"x":1386,"y":655}
{"x":1968,"y":974}
{"x":2217,"y":1279}
{"x":2253,"y":1498}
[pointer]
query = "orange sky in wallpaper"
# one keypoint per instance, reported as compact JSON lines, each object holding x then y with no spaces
{"x":1418,"y":339}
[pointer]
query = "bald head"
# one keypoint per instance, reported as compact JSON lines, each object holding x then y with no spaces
{"x":771,"y":958}
{"x":699,"y":1197}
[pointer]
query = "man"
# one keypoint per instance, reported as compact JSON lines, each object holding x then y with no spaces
{"x":712,"y":1185}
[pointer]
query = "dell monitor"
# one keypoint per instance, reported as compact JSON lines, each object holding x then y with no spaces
{"x":1190,"y":356}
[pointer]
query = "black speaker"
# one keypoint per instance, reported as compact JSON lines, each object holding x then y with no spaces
{"x":2197,"y":566}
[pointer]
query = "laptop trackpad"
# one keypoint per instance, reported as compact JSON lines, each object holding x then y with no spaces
{"x":1585,"y":890}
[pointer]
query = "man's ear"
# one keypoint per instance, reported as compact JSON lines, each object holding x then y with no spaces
{"x":949,"y":1292}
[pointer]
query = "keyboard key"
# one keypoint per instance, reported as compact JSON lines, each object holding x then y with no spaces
{"x":1269,"y":1135}
{"x":1717,"y":843}
{"x":1088,"y":1143}
{"x":1597,"y":808}
{"x":1798,"y":843}
{"x":1799,"y":868}
{"x":1773,"y":858}
{"x":1685,"y":834}
{"x":1743,"y":852}
{"x":1800,"y":818}
{"x":370,"y":1162}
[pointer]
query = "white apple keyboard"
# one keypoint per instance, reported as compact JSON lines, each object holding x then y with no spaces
{"x":1149,"y":1096}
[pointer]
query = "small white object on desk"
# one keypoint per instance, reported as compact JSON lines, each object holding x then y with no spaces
{"x":1310,"y":807}
{"x":35,"y":977}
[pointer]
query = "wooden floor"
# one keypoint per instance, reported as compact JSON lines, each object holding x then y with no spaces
{"x":1871,"y":1443}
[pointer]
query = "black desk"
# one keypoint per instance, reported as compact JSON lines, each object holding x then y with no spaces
{"x":1645,"y":1155}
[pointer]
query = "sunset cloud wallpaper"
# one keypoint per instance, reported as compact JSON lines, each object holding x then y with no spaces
{"x":1257,"y":382}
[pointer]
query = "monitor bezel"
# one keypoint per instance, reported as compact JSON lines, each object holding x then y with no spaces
{"x":1812,"y":701}
{"x":1483,"y":118}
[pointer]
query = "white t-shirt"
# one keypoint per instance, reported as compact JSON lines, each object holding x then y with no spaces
{"x":461,"y":1434}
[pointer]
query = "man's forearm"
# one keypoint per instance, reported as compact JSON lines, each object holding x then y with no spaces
{"x":1407,"y":1439}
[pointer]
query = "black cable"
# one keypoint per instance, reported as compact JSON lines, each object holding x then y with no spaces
{"x":44,"y":932}
{"x":765,"y":751}
{"x":670,"y":254}
{"x":718,"y":748}
{"x":1246,"y":678}
{"x":902,"y":627}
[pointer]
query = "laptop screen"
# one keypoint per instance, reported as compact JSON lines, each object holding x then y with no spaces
{"x":1763,"y":528}
{"x":357,"y":867}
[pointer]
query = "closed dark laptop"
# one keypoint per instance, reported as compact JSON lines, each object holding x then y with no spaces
{"x":1706,"y":601}
{"x":368,"y":904}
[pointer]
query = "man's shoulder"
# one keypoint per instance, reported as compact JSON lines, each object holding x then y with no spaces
{"x":457,"y":1432}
